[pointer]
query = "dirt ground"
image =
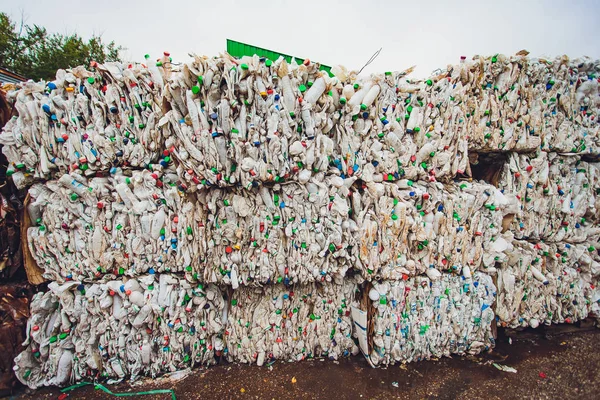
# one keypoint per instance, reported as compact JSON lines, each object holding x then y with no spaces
{"x":557,"y":362}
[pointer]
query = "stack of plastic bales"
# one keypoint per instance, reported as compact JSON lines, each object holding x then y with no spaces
{"x":253,"y":208}
{"x":109,"y":229}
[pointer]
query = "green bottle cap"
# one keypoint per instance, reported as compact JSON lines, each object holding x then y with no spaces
{"x":343,"y":100}
{"x":200,"y":79}
{"x":53,"y":339}
{"x":91,"y":80}
{"x":429,"y":82}
{"x":268,"y":63}
{"x":363,"y":107}
{"x":74,"y":196}
{"x":195,"y":89}
{"x":388,"y":73}
{"x":244,"y":66}
{"x":302,"y":88}
{"x":147,"y":56}
{"x":356,"y":86}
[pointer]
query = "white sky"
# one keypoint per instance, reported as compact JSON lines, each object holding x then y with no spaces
{"x":429,"y":34}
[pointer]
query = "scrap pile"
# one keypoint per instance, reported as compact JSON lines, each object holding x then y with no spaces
{"x":256,"y":210}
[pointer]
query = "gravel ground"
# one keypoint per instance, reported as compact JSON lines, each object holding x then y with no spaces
{"x":557,"y":362}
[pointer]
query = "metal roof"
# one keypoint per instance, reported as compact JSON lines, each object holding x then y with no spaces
{"x":239,"y":49}
{"x":10,"y":77}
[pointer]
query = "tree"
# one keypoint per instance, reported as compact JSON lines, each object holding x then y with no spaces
{"x":32,"y":52}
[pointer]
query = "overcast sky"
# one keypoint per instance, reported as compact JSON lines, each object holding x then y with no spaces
{"x":429,"y":34}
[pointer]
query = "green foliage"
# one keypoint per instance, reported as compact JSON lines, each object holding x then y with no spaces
{"x":32,"y":52}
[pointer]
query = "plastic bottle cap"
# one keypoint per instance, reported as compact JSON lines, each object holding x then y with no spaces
{"x":302,"y":88}
{"x":244,"y":66}
{"x":343,"y":100}
{"x":195,"y":89}
{"x":91,"y":80}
